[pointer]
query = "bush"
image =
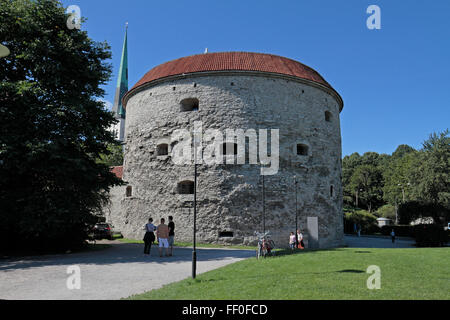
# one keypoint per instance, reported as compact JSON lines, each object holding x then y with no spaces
{"x":386,"y":211}
{"x":367,"y":221}
{"x":412,"y":210}
{"x":430,"y":235}
{"x":372,"y":229}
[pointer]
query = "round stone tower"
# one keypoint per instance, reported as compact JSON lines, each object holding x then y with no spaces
{"x":261,"y":95}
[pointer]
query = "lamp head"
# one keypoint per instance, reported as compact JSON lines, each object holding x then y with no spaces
{"x":4,"y":51}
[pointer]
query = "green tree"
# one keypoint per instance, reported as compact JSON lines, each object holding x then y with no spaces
{"x":114,"y":157}
{"x":387,"y":211}
{"x":368,"y":180}
{"x":408,"y":178}
{"x":361,"y":180}
{"x":366,"y":220}
{"x":402,"y":150}
{"x":349,"y":165}
{"x":370,"y":158}
{"x":397,"y":175}
{"x":431,"y":176}
{"x":53,"y":127}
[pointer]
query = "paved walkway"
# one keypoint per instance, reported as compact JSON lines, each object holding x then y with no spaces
{"x":122,"y":270}
{"x":377,"y":242}
{"x":113,"y":273}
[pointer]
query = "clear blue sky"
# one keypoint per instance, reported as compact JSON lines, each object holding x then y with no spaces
{"x":395,"y":82}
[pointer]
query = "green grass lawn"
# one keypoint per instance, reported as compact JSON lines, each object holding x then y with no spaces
{"x":419,"y":273}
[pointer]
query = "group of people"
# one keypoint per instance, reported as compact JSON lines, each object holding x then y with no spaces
{"x":165,"y":234}
{"x":296,"y":241}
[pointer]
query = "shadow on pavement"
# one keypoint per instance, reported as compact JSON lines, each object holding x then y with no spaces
{"x":122,"y":253}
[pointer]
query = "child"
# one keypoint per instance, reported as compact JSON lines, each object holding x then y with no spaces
{"x":292,"y":241}
{"x":301,"y":245}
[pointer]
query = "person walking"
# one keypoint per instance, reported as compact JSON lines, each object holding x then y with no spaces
{"x":171,"y":226}
{"x":162,"y":232}
{"x":292,"y":241}
{"x":393,"y":236}
{"x":149,"y":237}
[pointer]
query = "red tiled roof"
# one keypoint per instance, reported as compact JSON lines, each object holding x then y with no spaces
{"x":118,"y":171}
{"x":231,"y":61}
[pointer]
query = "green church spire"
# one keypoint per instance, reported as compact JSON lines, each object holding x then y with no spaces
{"x":122,"y":80}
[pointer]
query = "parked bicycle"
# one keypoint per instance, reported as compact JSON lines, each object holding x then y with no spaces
{"x":265,"y":245}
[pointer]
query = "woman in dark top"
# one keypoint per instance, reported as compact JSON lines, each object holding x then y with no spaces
{"x":149,"y":237}
{"x":171,"y":226}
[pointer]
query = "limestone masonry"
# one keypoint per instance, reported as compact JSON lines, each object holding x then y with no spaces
{"x":232,"y":90}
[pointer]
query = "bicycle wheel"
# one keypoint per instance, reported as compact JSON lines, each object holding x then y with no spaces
{"x":272,"y":247}
{"x":272,"y":244}
{"x":264,"y":252}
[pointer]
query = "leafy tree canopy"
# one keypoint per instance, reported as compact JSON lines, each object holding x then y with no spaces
{"x":373,"y":180}
{"x":53,"y":126}
{"x":114,"y":157}
{"x":431,"y":177}
{"x":402,"y":150}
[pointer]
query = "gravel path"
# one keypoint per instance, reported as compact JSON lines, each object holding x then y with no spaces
{"x":113,"y":273}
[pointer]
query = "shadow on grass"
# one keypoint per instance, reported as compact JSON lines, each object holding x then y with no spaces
{"x":288,"y":252}
{"x":350,"y":271}
{"x":196,"y":280}
{"x":269,"y":277}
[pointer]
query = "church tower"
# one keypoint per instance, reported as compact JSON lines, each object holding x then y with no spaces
{"x":121,"y":89}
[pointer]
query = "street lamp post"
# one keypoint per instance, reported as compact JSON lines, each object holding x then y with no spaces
{"x":403,"y":198}
{"x":396,"y":212}
{"x":263,"y":196}
{"x":403,"y":190}
{"x":296,"y":212}
{"x":4,"y":51}
{"x":264,"y":205}
{"x":194,"y":251}
{"x":357,"y":196}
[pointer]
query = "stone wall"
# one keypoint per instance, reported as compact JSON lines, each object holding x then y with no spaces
{"x":230,"y":196}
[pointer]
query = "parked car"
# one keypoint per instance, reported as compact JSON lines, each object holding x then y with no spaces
{"x":104,"y":231}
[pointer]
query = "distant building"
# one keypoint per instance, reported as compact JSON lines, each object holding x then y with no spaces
{"x":384,"y":222}
{"x":117,"y":129}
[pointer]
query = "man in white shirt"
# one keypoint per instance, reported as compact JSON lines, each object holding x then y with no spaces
{"x":162,"y":232}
